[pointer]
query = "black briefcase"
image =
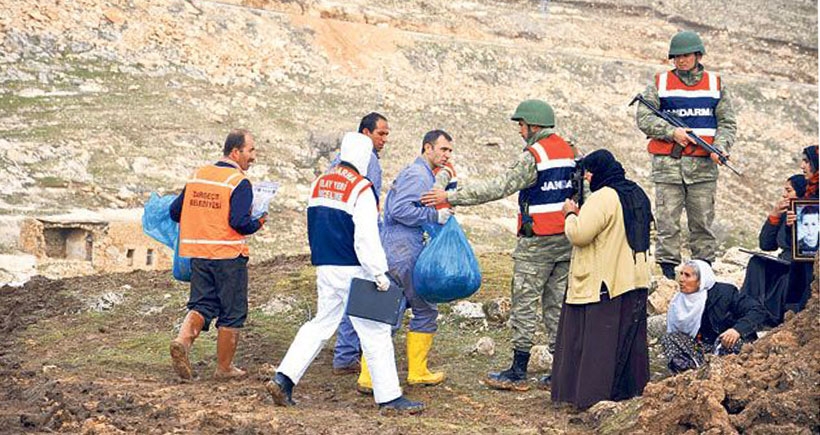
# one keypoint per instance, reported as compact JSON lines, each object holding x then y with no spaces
{"x":367,"y":302}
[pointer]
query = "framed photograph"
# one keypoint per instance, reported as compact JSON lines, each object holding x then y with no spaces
{"x":806,"y":233}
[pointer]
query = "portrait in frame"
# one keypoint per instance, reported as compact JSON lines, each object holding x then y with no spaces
{"x":806,"y":229}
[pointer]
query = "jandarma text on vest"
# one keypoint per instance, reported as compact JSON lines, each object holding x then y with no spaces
{"x":699,"y":111}
{"x":556,"y":185}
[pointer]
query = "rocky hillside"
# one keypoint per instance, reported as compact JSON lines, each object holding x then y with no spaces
{"x":105,"y":101}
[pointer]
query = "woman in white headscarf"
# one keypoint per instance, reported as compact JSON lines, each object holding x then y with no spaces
{"x":707,"y":316}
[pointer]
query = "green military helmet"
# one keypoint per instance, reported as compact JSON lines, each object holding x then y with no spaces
{"x":685,"y":42}
{"x":535,"y":112}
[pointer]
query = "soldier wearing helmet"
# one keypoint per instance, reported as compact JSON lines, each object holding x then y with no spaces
{"x":685,"y":175}
{"x":542,"y":176}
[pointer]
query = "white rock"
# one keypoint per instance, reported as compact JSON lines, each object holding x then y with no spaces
{"x":484,"y":346}
{"x":107,"y":301}
{"x":91,"y":87}
{"x":141,"y":165}
{"x":660,"y":298}
{"x":540,"y":359}
{"x":656,"y":326}
{"x":31,"y":93}
{"x":277,"y":306}
{"x":468,"y":310}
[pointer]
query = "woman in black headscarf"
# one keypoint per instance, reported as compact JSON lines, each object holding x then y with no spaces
{"x":601,"y":349}
{"x":767,"y":278}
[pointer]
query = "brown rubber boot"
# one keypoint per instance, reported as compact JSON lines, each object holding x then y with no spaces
{"x":181,"y":346}
{"x":226,"y":340}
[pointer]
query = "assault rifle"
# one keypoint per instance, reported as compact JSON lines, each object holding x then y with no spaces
{"x":677,"y":122}
{"x":578,"y":178}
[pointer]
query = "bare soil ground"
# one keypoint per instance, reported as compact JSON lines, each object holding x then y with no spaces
{"x":67,"y":367}
{"x":72,"y":362}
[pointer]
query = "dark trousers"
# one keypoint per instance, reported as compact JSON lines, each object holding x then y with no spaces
{"x":219,"y":289}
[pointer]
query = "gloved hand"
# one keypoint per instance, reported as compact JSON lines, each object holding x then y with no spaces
{"x":444,"y":214}
{"x":382,"y":282}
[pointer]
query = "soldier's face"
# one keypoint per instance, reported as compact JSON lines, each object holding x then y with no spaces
{"x":686,"y":62}
{"x":523,"y":130}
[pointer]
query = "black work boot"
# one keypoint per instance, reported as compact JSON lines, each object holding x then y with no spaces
{"x":668,"y":270}
{"x":281,"y":389}
{"x":400,"y":405}
{"x":514,"y":378}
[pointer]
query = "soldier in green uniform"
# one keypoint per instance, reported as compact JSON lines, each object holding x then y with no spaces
{"x":542,"y":176}
{"x":685,"y":174}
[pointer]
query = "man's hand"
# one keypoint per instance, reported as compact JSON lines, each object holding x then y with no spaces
{"x":716,"y":158}
{"x":729,"y":338}
{"x":263,"y":218}
{"x":681,"y":136}
{"x":570,"y":206}
{"x":382,"y":282}
{"x":434,"y":197}
{"x":444,"y":214}
{"x":779,"y":208}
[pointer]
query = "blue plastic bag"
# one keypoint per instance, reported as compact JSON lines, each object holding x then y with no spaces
{"x":182,"y":266}
{"x":157,"y":223}
{"x":447,"y":269}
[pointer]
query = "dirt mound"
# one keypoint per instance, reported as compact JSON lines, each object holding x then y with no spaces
{"x":771,"y":387}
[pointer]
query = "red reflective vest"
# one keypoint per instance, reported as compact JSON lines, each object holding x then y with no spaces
{"x":694,"y":105}
{"x":542,"y":203}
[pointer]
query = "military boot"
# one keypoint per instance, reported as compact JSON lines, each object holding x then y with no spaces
{"x":400,"y":405}
{"x":281,"y":390}
{"x":364,"y":385}
{"x":226,"y":341}
{"x":418,"y":347}
{"x":514,"y":378}
{"x":181,"y":346}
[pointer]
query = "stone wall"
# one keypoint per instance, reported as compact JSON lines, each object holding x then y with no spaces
{"x":115,"y":246}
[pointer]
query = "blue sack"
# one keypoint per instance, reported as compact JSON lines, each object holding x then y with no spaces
{"x":182,"y":266}
{"x":157,"y":223}
{"x":447,"y":269}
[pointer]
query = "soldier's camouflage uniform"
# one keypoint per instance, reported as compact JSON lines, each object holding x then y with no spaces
{"x":686,"y":183}
{"x":541,"y":263}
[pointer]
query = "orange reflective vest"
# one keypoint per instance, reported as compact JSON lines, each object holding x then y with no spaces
{"x":695,"y":105}
{"x":204,"y":229}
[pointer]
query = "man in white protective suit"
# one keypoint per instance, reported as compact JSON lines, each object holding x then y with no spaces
{"x":344,"y":244}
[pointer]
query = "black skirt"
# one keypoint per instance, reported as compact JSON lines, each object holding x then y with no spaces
{"x":767,"y":282}
{"x":601,"y":351}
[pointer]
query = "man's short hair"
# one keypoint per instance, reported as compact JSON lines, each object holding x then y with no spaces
{"x":236,"y":139}
{"x":432,"y":136}
{"x":809,"y":209}
{"x":369,"y":121}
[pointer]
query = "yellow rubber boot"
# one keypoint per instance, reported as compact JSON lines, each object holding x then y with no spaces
{"x":364,"y":385}
{"x":418,"y":346}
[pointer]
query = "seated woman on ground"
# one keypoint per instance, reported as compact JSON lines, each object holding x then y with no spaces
{"x":707,"y":316}
{"x":767,"y":280}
